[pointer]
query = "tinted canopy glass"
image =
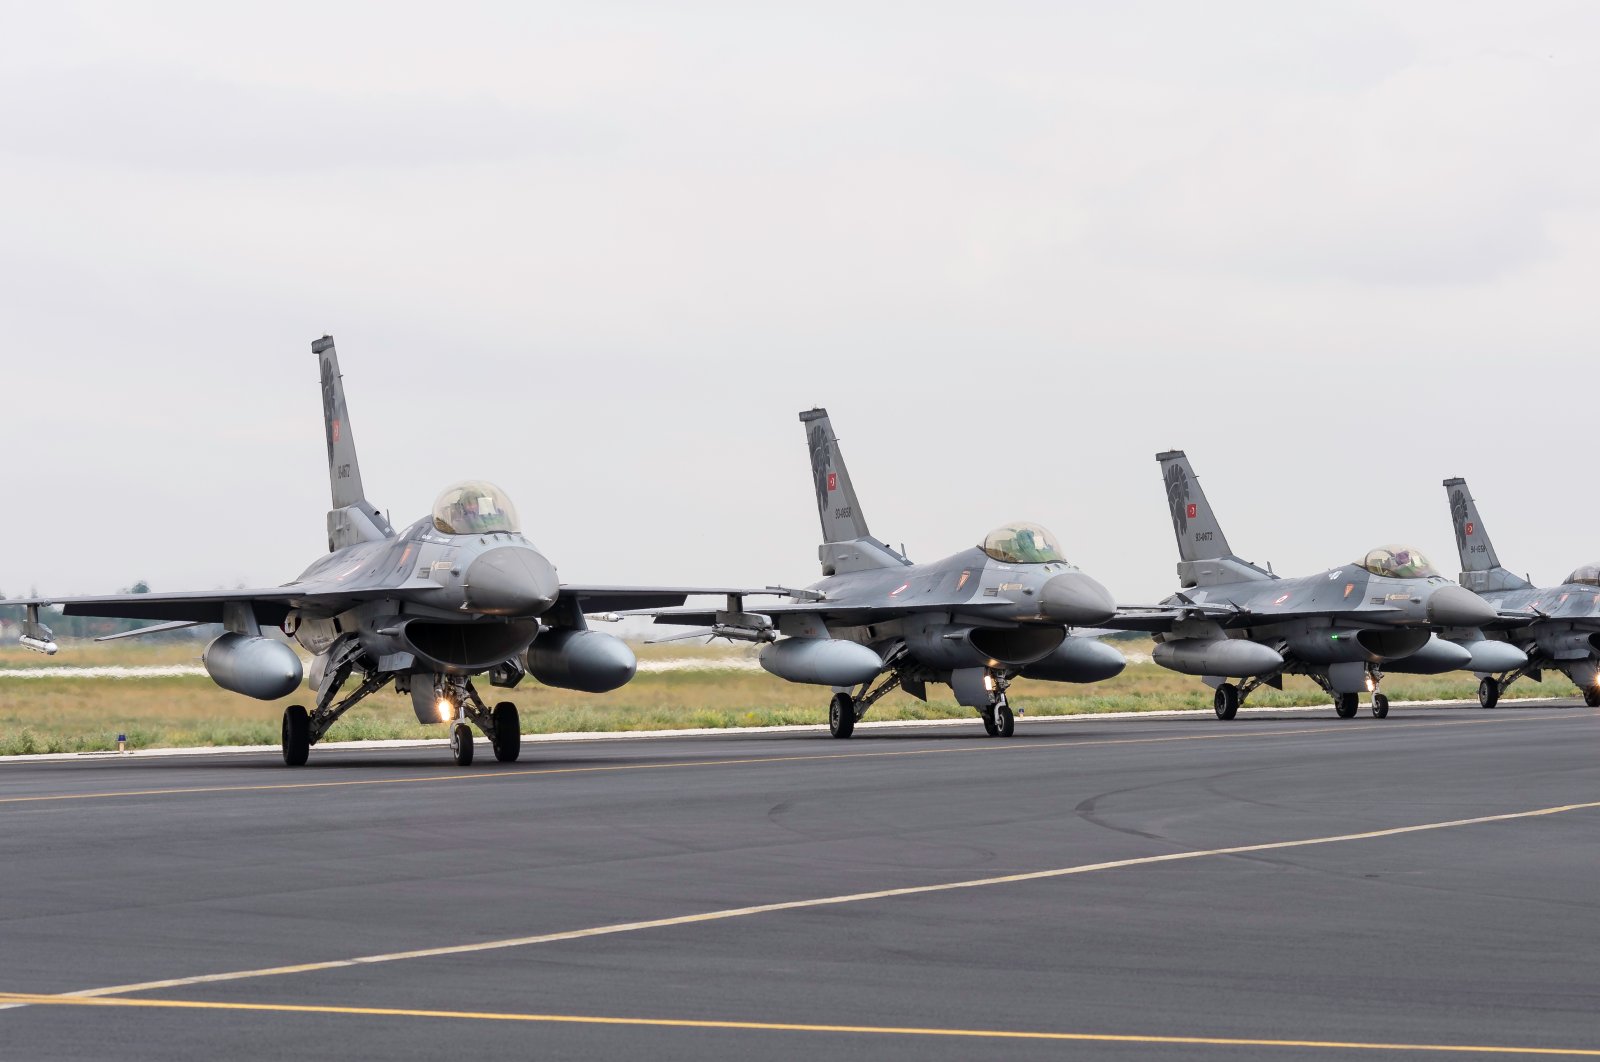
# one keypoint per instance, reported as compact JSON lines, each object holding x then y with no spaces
{"x":474,"y":508}
{"x":1022,"y":544}
{"x":1589,"y":575}
{"x":1399,"y":562}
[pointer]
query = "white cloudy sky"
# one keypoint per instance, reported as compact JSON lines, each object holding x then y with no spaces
{"x":602,"y":253}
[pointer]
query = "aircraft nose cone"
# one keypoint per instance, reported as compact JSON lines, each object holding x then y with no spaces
{"x":1456,"y":606}
{"x":1076,"y":600}
{"x":511,"y":581}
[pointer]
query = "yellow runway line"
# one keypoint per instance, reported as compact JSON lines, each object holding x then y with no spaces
{"x":15,"y":999}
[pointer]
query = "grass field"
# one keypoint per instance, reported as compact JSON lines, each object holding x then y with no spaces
{"x":86,"y":714}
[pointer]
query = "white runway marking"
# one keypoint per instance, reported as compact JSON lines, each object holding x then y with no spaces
{"x":822,"y":901}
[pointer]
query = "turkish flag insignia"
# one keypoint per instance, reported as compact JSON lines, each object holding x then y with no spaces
{"x":1469,"y":527}
{"x":833,"y":481}
{"x":1193,"y":510}
{"x":335,"y":431}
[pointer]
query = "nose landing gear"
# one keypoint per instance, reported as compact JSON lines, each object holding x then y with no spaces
{"x":998,"y":719}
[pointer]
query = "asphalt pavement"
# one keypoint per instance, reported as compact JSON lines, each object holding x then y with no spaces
{"x":1282,"y":886}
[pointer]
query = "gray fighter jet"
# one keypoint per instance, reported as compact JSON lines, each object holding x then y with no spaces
{"x":1343,"y":627}
{"x":458,"y":594}
{"x":876,"y":621}
{"x":1549,"y":626}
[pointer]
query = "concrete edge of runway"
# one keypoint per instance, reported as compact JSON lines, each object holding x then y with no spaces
{"x":730,"y":731}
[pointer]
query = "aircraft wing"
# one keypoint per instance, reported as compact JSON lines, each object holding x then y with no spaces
{"x":196,"y":606}
{"x":272,"y":604}
{"x":1158,"y":619}
{"x":638,"y":600}
{"x":699,"y":615}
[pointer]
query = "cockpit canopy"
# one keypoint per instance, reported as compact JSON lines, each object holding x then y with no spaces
{"x":474,"y":508}
{"x":1399,"y":562}
{"x":1589,"y":575}
{"x":1022,"y":544}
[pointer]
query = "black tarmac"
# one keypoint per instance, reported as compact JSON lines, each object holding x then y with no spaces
{"x":141,"y":881}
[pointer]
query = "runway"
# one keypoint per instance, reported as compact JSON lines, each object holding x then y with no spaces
{"x":1283,"y":886}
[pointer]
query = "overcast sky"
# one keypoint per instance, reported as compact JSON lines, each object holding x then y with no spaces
{"x":601,"y":254}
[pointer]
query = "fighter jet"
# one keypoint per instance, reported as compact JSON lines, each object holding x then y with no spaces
{"x":1550,"y":626}
{"x":1343,"y":627}
{"x":460,"y":593}
{"x":876,"y":622}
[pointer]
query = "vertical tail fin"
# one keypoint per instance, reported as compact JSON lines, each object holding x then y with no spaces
{"x":1204,"y":558}
{"x":847,"y":545}
{"x":352,"y":518}
{"x":1480,"y":565}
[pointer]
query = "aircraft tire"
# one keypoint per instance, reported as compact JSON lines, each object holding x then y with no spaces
{"x":989,"y":726}
{"x":1591,"y":696}
{"x":842,"y":715}
{"x":1005,"y":721}
{"x":1226,"y":701}
{"x":296,"y":735}
{"x":1380,"y":706}
{"x":461,"y":744}
{"x":507,"y":732}
{"x":1488,"y":692}
{"x":1345,"y":705}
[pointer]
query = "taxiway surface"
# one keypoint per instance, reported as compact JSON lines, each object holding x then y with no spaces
{"x":1278,"y":887}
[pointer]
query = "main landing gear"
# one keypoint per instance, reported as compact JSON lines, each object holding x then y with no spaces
{"x":842,"y":715}
{"x":845,"y":710}
{"x":1489,"y":691}
{"x":1591,"y":696}
{"x":1226,"y":702}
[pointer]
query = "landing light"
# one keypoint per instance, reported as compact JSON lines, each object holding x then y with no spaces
{"x":1370,"y":684}
{"x":988,"y":683}
{"x":445,"y":709}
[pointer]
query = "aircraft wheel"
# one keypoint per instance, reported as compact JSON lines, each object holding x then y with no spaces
{"x":1591,"y":696}
{"x":1380,"y":706}
{"x":296,"y":735}
{"x":988,"y":722}
{"x":1005,"y":723}
{"x":1345,"y":705}
{"x":842,"y":715}
{"x":1226,"y":701}
{"x":1488,"y":692}
{"x":461,"y":744}
{"x":507,"y":732}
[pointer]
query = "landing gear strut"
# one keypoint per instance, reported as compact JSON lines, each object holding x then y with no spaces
{"x":844,"y":710}
{"x":302,"y":729}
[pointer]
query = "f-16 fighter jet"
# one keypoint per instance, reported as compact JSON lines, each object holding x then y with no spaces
{"x":876,"y":621}
{"x":458,"y":594}
{"x":1343,"y":627}
{"x":1551,"y":626}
